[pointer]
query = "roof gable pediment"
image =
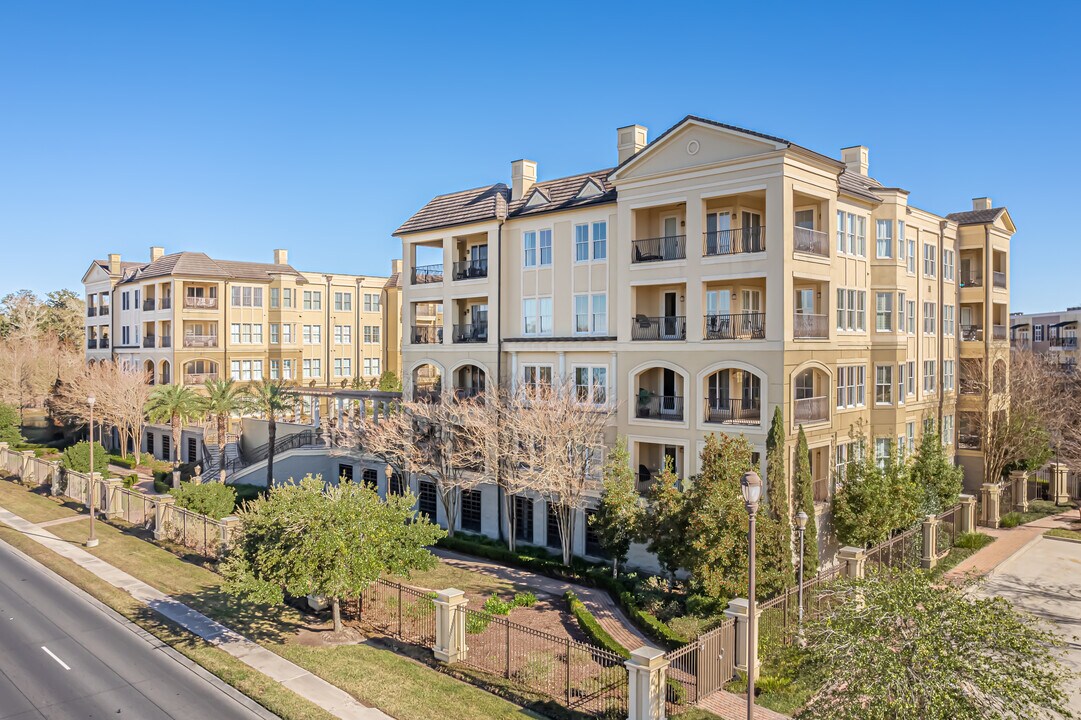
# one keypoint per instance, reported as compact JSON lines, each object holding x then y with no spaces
{"x":694,"y":143}
{"x":591,"y":188}
{"x":95,"y":274}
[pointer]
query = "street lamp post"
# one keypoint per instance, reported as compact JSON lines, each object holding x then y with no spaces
{"x":388,"y":471}
{"x":801,"y":525}
{"x":751,"y":486}
{"x":91,"y":541}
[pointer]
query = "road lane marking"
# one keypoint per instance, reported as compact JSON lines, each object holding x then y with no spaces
{"x":51,"y":654}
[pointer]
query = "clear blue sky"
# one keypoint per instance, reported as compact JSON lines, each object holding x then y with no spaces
{"x":234,"y":128}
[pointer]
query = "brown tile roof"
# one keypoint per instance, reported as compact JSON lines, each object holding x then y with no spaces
{"x":394,"y":281}
{"x":124,"y":264}
{"x":197,"y":264}
{"x":562,"y":194}
{"x":859,"y":185}
{"x":976,"y":217}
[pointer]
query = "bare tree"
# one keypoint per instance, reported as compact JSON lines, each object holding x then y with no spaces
{"x":121,"y":393}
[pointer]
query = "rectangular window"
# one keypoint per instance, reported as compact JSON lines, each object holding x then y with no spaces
{"x":471,"y":510}
{"x":911,"y":312}
{"x":861,"y":236}
{"x":911,"y":257}
{"x":545,"y":247}
{"x":312,"y":334}
{"x":529,"y":249}
{"x":928,"y":376}
{"x":841,"y":245}
{"x":371,"y":366}
{"x":426,"y":499}
{"x":841,"y":295}
{"x":581,"y":243}
{"x":343,"y":334}
{"x":600,"y":240}
{"x":590,"y":313}
{"x":581,"y":313}
{"x":125,"y":301}
{"x":851,"y":384}
{"x":947,"y":264}
{"x":910,"y":437}
{"x":947,"y":375}
{"x":882,"y":451}
{"x":929,"y":252}
{"x":1037,"y":333}
{"x":343,"y":301}
{"x":544,"y":315}
{"x":947,"y":430}
{"x":911,"y":377}
{"x":275,"y":298}
{"x":929,"y":322}
{"x":884,"y":238}
{"x":312,"y":368}
{"x":529,"y":316}
{"x":591,"y":384}
{"x":948,"y":326}
{"x":287,"y":297}
{"x":883,"y":384}
{"x":343,"y":367}
{"x":534,"y":376}
{"x":883,"y":312}
{"x":275,"y":333}
{"x":287,"y":369}
{"x":600,"y":313}
{"x":900,"y":312}
{"x":900,"y":383}
{"x":313,"y":300}
{"x":275,"y":369}
{"x":523,"y":518}
{"x":851,"y":310}
{"x":287,"y":333}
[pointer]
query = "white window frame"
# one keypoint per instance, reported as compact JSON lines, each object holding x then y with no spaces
{"x":883,"y":385}
{"x":596,"y":393}
{"x":884,"y":239}
{"x":883,"y":312}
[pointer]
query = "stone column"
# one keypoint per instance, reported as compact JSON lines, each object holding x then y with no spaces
{"x":1019,"y":481}
{"x":737,"y":610}
{"x":176,"y":479}
{"x":968,"y":514}
{"x":26,"y":473}
{"x":229,"y":524}
{"x":450,"y":644}
{"x":930,"y":542}
{"x":1059,"y":491}
{"x":854,"y":560}
{"x":162,"y":507}
{"x":646,"y":684}
{"x":113,"y":500}
{"x":990,"y":514}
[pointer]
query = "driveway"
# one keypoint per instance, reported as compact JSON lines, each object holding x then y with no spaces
{"x":1045,"y":580}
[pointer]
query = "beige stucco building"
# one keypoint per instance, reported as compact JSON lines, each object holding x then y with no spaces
{"x":186,"y":318}
{"x":1053,"y":333}
{"x":712,"y":275}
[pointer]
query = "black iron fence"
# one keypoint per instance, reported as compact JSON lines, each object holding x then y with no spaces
{"x":668,"y":327}
{"x":672,"y":247}
{"x":735,"y":241}
{"x":736,"y":326}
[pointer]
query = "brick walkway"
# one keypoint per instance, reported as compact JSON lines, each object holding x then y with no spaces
{"x":1008,"y":542}
{"x":599,"y":602}
{"x":734,"y":707}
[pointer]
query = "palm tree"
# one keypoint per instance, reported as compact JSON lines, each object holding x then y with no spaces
{"x":223,"y":399}
{"x":271,"y":398}
{"x":176,"y":405}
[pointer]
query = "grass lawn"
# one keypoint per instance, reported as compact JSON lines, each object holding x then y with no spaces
{"x":1064,"y":533}
{"x":1037,"y":509}
{"x":30,"y":505}
{"x":397,"y":685}
{"x":444,"y":576}
{"x":967,"y":544}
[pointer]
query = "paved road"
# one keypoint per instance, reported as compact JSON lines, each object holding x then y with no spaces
{"x":1045,"y":579}
{"x":63,"y":657}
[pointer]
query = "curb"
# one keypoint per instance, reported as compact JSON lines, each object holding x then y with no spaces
{"x":1075,"y":541}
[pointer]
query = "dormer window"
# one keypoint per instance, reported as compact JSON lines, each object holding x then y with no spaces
{"x":591,"y":188}
{"x":537,"y":198}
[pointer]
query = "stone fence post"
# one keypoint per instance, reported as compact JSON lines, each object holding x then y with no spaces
{"x":737,"y":610}
{"x":1059,"y":491}
{"x":450,"y":644}
{"x":646,"y":684}
{"x":1019,"y":481}
{"x":26,"y":472}
{"x":854,"y":560}
{"x":163,"y":505}
{"x":113,"y":499}
{"x":229,"y":524}
{"x":990,"y":512}
{"x":930,"y":542}
{"x":968,"y":514}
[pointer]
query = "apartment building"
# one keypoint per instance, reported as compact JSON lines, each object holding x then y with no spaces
{"x":1053,"y":333}
{"x":186,"y":318}
{"x":706,"y":278}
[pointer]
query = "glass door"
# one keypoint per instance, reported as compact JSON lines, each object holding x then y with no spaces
{"x":718,"y":233}
{"x":752,"y":232}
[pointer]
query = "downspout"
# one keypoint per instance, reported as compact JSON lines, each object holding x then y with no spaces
{"x":225,"y":335}
{"x":329,"y":336}
{"x":942,"y":333}
{"x":501,"y":217}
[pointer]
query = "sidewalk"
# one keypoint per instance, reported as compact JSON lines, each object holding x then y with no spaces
{"x":1008,"y":542}
{"x":318,"y":691}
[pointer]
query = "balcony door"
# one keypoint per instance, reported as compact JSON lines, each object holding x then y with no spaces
{"x":718,"y":235}
{"x":718,"y":314}
{"x":752,"y":230}
{"x":668,"y":392}
{"x":479,"y":314}
{"x":670,"y":322}
{"x":751,"y":307}
{"x":805,"y":301}
{"x":478,"y":260}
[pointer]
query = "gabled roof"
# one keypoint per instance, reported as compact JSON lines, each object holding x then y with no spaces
{"x":197,"y":264}
{"x":858,"y":185}
{"x":394,"y":281}
{"x":563,"y":194}
{"x":976,"y":217}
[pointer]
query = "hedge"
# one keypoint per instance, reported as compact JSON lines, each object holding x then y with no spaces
{"x":591,"y":627}
{"x":650,"y":623}
{"x":124,"y":462}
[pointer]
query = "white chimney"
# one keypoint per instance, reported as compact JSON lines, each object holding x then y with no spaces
{"x":114,"y":263}
{"x":981,"y":203}
{"x":395,"y":265}
{"x":156,"y":252}
{"x":281,"y":257}
{"x":855,"y":158}
{"x":523,"y":175}
{"x":630,"y":140}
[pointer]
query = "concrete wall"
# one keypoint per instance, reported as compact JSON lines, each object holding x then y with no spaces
{"x":255,"y":432}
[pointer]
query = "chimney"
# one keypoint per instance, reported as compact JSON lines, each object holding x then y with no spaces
{"x":629,"y":140}
{"x":114,"y":263}
{"x":523,"y":174}
{"x":281,"y":257}
{"x":855,"y":158}
{"x":981,"y":203}
{"x":156,"y":252}
{"x":395,"y":266}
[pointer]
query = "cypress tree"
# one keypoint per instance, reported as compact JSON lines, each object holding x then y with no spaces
{"x":777,"y":549}
{"x":804,"y":493}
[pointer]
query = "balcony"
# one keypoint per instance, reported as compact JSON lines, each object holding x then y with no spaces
{"x":423,"y":274}
{"x":968,"y":441}
{"x":812,"y":242}
{"x":166,"y":341}
{"x":733,"y":411}
{"x":671,"y":327}
{"x":201,"y":303}
{"x":148,"y":341}
{"x":427,"y":334}
{"x":103,"y":310}
{"x":471,"y":333}
{"x":1064,"y":343}
{"x":91,"y":344}
{"x":103,"y":343}
{"x":165,"y":303}
{"x":149,"y":304}
{"x":807,"y":325}
{"x":91,"y":312}
{"x":200,"y":341}
{"x":672,"y":247}
{"x":998,"y":279}
{"x":971,"y":333}
{"x":736,"y":326}
{"x":999,"y":332}
{"x":199,"y":378}
{"x":471,"y":269}
{"x":660,"y":407}
{"x":735,"y":241}
{"x":971,"y":279}
{"x":812,"y":409}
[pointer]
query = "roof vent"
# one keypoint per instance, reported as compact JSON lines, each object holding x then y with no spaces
{"x":523,"y":175}
{"x":629,"y":141}
{"x":855,"y":158}
{"x":981,"y":203}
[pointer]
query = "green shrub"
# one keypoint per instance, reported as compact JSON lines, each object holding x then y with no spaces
{"x":124,"y":462}
{"x":245,"y":492}
{"x":703,"y":605}
{"x":77,"y":458}
{"x":476,"y":623}
{"x":130,"y":480}
{"x":650,"y":622}
{"x":591,"y":627}
{"x":211,"y":499}
{"x":524,"y":599}
{"x":165,"y":476}
{"x":675,"y":691}
{"x":973,"y":540}
{"x":496,"y":606}
{"x":1010,"y":520}
{"x":9,"y":424}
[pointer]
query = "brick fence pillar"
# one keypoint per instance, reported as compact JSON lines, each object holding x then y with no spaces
{"x":450,"y":644}
{"x":1019,"y":481}
{"x":968,"y":513}
{"x":163,"y":504}
{"x":990,"y":512}
{"x":853,"y":560}
{"x":737,"y":610}
{"x":646,"y":684}
{"x":1059,"y":491}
